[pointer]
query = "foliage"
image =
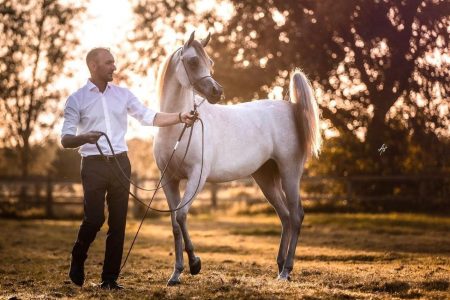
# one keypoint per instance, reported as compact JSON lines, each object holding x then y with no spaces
{"x":37,"y":38}
{"x":41,"y":160}
{"x":380,"y":67}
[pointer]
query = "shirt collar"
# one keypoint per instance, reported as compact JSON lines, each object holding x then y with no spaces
{"x":92,"y":87}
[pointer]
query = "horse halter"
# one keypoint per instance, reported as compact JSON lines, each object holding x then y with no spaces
{"x":192,"y":82}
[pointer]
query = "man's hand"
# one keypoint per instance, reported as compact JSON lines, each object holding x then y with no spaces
{"x":92,"y":137}
{"x":188,"y":118}
{"x":75,"y":141}
{"x":163,"y":119}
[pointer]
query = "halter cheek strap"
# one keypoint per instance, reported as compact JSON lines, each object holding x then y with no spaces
{"x":191,"y":80}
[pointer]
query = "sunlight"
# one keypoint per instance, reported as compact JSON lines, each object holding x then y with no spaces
{"x":224,"y":9}
{"x":278,"y":17}
{"x":109,"y":24}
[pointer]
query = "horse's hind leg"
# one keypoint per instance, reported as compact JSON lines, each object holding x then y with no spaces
{"x":268,"y":179}
{"x":290,"y":179}
{"x":172,"y":192}
{"x":193,"y":186}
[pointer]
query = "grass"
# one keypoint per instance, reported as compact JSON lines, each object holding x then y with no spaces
{"x":343,"y":256}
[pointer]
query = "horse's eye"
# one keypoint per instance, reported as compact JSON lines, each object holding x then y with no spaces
{"x":193,"y":62}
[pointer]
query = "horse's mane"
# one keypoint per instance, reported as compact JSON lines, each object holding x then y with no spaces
{"x":162,"y":72}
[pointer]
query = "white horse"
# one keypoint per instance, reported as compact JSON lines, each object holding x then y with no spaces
{"x":269,"y":140}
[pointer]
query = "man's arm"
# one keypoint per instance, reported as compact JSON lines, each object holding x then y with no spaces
{"x":167,"y":119}
{"x":75,"y":141}
{"x":151,"y":118}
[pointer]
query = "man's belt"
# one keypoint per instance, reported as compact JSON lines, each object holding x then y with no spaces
{"x":107,"y":157}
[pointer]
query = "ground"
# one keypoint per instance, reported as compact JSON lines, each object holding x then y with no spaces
{"x":344,"y":256}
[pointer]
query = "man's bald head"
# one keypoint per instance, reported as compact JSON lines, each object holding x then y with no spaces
{"x":101,"y":63}
{"x":93,"y":54}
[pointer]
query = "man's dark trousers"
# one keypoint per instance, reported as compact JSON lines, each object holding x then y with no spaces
{"x":98,"y":179}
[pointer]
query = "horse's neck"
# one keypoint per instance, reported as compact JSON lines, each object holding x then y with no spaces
{"x":175,"y":97}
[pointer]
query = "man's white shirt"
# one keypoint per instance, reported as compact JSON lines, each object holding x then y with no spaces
{"x":90,"y":110}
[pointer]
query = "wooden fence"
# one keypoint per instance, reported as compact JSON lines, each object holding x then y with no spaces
{"x":51,"y":194}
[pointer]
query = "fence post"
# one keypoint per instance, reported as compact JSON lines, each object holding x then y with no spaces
{"x":349,"y":190}
{"x":37,"y":193}
{"x":49,"y":198}
{"x":23,"y":196}
{"x":446,"y":188}
{"x":422,"y":191}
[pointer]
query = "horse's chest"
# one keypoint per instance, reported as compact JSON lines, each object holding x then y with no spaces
{"x":162,"y":147}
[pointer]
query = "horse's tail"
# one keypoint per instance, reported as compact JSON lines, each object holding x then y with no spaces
{"x":306,"y":113}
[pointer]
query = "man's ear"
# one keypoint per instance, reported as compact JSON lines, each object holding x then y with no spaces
{"x":90,"y":66}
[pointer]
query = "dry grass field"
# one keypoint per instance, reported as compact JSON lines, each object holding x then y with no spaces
{"x":340,"y":256}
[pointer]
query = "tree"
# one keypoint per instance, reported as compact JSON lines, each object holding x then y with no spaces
{"x":36,"y":39}
{"x":380,"y":66}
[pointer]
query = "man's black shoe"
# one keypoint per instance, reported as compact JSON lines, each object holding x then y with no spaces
{"x":76,"y":272}
{"x":110,"y":285}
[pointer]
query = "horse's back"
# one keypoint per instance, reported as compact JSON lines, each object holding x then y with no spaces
{"x":260,"y":120}
{"x":262,"y":113}
{"x":246,"y":135}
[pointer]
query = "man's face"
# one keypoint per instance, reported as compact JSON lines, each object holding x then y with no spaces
{"x":104,"y":66}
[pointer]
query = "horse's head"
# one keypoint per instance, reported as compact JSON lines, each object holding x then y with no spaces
{"x":194,"y":69}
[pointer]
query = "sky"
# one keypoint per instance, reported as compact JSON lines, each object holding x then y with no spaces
{"x":105,"y":24}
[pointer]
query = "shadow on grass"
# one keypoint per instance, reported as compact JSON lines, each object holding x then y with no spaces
{"x":435,"y":285}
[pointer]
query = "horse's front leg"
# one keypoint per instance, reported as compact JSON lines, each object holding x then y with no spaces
{"x":172,"y":192}
{"x":193,"y":186}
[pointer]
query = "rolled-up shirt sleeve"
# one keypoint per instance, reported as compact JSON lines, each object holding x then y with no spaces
{"x":71,"y":117}
{"x":139,"y":111}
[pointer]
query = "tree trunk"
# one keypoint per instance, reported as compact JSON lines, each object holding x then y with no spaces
{"x":25,"y":158}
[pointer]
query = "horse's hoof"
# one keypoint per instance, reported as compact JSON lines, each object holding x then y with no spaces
{"x":195,"y":266}
{"x":280,"y":268}
{"x":283,"y":277}
{"x":173,"y":282}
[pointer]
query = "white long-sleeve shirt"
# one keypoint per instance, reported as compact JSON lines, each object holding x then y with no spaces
{"x":90,"y":110}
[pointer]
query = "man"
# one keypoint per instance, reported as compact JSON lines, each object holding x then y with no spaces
{"x":100,"y":106}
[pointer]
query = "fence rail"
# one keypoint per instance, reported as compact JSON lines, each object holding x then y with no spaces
{"x":50,"y":193}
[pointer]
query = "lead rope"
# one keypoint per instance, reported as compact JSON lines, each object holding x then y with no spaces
{"x":148,"y":206}
{"x":129,"y":179}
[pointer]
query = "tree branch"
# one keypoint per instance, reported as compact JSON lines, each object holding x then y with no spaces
{"x":333,"y":117}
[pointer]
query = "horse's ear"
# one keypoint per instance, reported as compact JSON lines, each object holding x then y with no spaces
{"x":191,"y":38}
{"x":206,"y":40}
